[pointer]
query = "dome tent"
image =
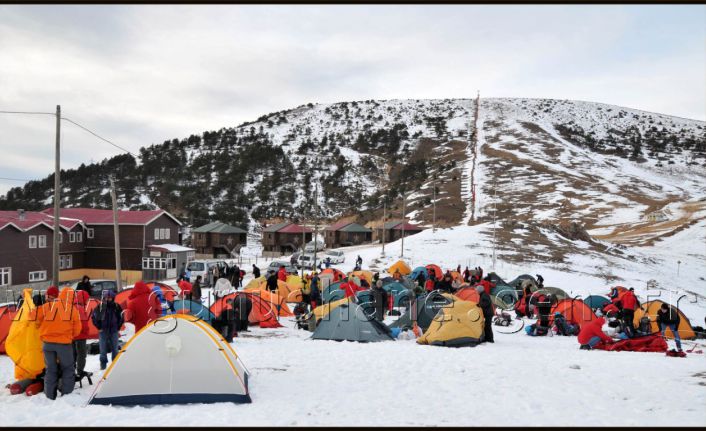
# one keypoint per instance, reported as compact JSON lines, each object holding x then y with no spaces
{"x":457,"y":326}
{"x":174,"y":360}
{"x":348,"y":322}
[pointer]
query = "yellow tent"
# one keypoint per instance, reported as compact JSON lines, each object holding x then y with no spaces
{"x":255,"y":283}
{"x":368,"y":275}
{"x":458,"y":326}
{"x":23,"y":344}
{"x":400,"y":266}
{"x":650,"y":309}
{"x":323,"y":310}
{"x":288,"y":292}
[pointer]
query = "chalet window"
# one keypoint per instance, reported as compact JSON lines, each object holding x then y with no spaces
{"x":72,"y":236}
{"x":166,"y":233}
{"x":79,"y":236}
{"x":154,"y":263}
{"x":65,"y":261}
{"x":33,"y":241}
{"x":156,"y":233}
{"x":89,"y":233}
{"x":42,"y":241}
{"x":5,"y":276}
{"x":171,"y":260}
{"x":37,"y":276}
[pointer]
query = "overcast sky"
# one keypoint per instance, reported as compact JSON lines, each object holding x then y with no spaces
{"x":143,"y":74}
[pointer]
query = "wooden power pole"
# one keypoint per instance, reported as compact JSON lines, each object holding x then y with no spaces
{"x":404,"y":222}
{"x":116,"y":232}
{"x":57,"y":225}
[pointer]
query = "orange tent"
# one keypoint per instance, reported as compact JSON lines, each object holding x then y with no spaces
{"x":7,"y":313}
{"x":575,"y":310}
{"x":400,"y":266}
{"x":650,"y":308}
{"x":336,"y":272}
{"x":468,"y":294}
{"x":363,"y":274}
{"x":436,"y":269}
{"x":122,"y":298}
{"x":284,"y":291}
{"x":274,"y":300}
{"x":261,"y":314}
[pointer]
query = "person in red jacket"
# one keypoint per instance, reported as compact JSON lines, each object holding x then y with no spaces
{"x":630,"y":304}
{"x":487,"y":285}
{"x":80,"y":349}
{"x":592,"y":334}
{"x":350,"y":288}
{"x":143,"y":306}
{"x":282,"y":274}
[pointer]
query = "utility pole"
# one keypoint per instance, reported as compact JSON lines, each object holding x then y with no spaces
{"x":433,"y":223}
{"x":495,"y":210}
{"x":384,"y":216}
{"x":316,"y":220}
{"x":57,"y":226}
{"x":404,"y":221}
{"x":116,"y":231}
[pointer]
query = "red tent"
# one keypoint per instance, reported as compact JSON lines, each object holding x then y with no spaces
{"x":261,"y":314}
{"x":468,"y":293}
{"x":333,"y":271}
{"x":436,"y":270}
{"x":574,"y":310}
{"x":7,"y":313}
{"x":649,"y":343}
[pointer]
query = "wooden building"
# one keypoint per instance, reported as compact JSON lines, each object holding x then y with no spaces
{"x":393,"y":230}
{"x":218,"y":239}
{"x":346,"y":233}
{"x":285,"y":237}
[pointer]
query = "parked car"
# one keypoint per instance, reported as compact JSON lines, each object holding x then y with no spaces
{"x":309,"y":247}
{"x":294,"y":260}
{"x":99,"y":286}
{"x":336,"y":256}
{"x":274,"y":267}
{"x":204,"y":268}
{"x":306,"y":261}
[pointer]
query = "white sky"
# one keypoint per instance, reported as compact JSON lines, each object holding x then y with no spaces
{"x":144,"y":74}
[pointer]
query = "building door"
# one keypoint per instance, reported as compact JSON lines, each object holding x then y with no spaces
{"x":171,"y":265}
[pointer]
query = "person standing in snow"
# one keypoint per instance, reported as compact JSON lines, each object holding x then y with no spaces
{"x":255,"y":271}
{"x":421,"y":279}
{"x":444,"y":284}
{"x":327,"y":262}
{"x":467,"y":275}
{"x":282,"y":274}
{"x":486,"y":305}
{"x":668,"y":317}
{"x":84,"y":285}
{"x":79,"y":344}
{"x":235,"y":276}
{"x":196,"y":290}
{"x":272,"y":282}
{"x":380,"y":299}
{"x":315,"y":293}
{"x":108,"y":318}
{"x":359,"y":261}
{"x":630,"y":304}
{"x":142,"y":306}
{"x":59,"y":324}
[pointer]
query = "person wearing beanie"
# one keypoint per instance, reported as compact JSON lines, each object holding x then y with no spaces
{"x":59,"y":323}
{"x":52,"y":293}
{"x":486,"y":305}
{"x":142,"y":306}
{"x":108,"y":318}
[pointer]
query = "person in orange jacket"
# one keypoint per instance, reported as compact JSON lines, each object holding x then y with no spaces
{"x":59,"y":323}
{"x":592,"y":333}
{"x":143,"y":306}
{"x":79,"y":344}
{"x":630,"y":304}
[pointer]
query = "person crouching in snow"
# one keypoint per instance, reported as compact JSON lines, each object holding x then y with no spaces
{"x":592,"y":333}
{"x":108,"y":318}
{"x":59,"y":323}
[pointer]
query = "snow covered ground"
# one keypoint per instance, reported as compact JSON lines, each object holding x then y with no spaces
{"x":519,"y":380}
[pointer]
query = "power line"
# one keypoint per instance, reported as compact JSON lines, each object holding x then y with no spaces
{"x":98,"y":136}
{"x":14,"y":179}
{"x":27,"y":112}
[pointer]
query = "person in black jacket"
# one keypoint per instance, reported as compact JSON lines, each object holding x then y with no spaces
{"x":668,"y":317}
{"x":108,"y":318}
{"x":380,"y":298}
{"x":272,"y":282}
{"x":486,"y":305}
{"x":421,"y":279}
{"x":444,"y":284}
{"x":85,"y":284}
{"x":255,"y":271}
